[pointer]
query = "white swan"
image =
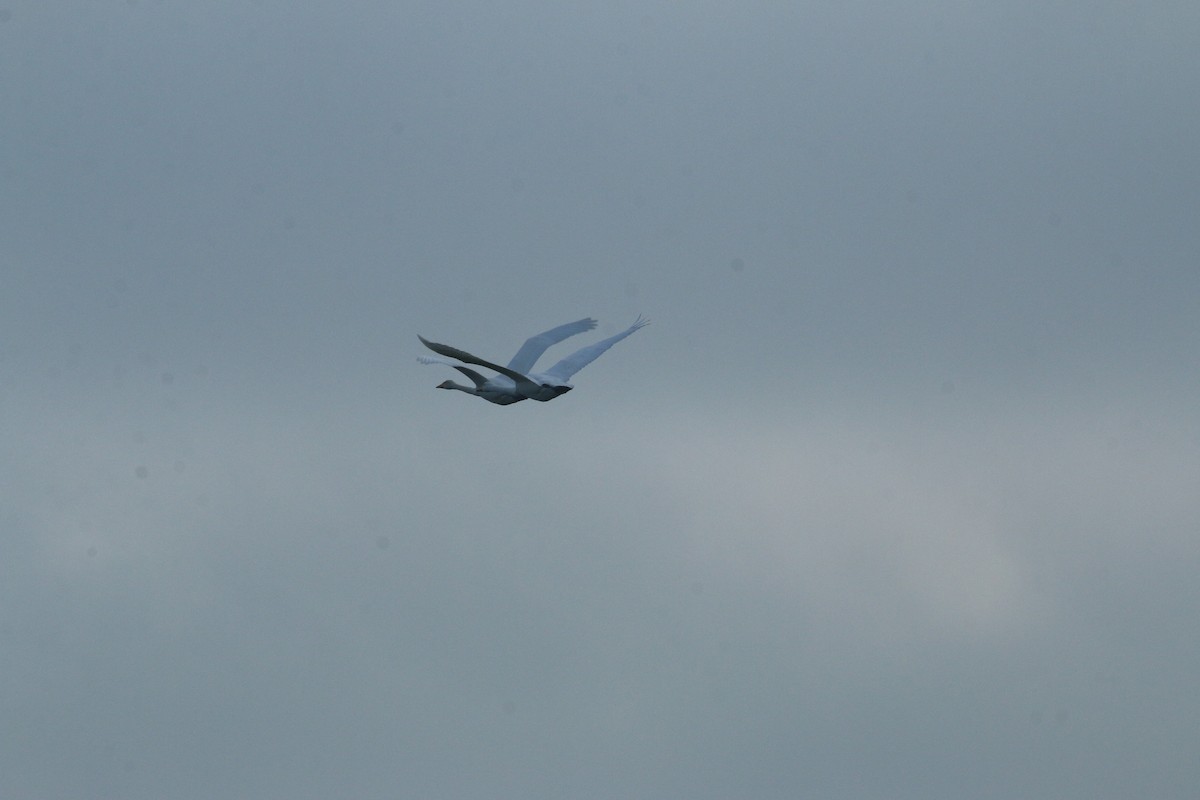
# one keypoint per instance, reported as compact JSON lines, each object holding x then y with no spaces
{"x":515,"y":382}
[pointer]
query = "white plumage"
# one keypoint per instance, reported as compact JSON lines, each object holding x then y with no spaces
{"x":515,"y":381}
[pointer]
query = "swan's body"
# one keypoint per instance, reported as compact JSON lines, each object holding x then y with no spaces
{"x":515,"y":382}
{"x":499,"y":390}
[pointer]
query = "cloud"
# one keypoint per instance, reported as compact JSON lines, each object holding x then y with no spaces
{"x":352,"y":586}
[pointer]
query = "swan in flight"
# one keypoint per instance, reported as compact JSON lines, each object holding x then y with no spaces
{"x":515,"y":382}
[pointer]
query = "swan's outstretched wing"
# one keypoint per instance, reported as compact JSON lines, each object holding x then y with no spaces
{"x":563,"y":370}
{"x":475,"y":377}
{"x":462,"y":355}
{"x":534,"y":346}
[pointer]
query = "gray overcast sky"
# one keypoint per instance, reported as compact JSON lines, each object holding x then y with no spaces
{"x":897,"y":497}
